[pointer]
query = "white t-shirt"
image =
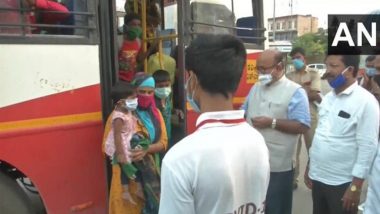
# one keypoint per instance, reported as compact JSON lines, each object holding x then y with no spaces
{"x":221,"y":168}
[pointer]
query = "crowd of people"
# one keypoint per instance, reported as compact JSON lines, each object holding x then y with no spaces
{"x":243,"y":161}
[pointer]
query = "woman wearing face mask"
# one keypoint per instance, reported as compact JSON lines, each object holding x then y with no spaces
{"x":151,"y":124}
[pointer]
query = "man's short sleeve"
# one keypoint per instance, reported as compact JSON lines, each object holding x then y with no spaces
{"x":176,"y":193}
{"x":298,"y":108}
{"x":315,"y":80}
{"x":245,"y":104}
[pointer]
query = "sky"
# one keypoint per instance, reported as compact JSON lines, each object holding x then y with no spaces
{"x":317,"y":8}
{"x":320,"y":8}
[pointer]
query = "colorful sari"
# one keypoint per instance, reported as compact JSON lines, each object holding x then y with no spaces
{"x":117,"y":205}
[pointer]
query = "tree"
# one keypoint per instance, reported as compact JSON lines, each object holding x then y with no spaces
{"x":315,"y":44}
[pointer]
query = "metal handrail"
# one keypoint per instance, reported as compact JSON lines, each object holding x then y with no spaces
{"x":233,"y":28}
{"x":167,"y":37}
{"x":45,"y":11}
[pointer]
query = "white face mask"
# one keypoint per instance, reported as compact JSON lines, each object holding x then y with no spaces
{"x":265,"y":78}
{"x":163,"y":92}
{"x":131,"y":104}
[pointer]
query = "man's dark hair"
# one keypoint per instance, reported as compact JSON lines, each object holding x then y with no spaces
{"x":217,"y":61}
{"x":297,"y":50}
{"x":351,"y":60}
{"x":161,"y":76}
{"x":130,"y":17}
{"x":122,"y":90}
{"x":370,"y":58}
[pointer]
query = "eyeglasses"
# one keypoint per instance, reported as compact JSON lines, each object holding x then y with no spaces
{"x":263,"y":69}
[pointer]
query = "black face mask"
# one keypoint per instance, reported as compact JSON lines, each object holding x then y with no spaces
{"x":376,"y":78}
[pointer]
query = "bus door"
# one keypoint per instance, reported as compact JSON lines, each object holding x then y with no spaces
{"x":243,"y":18}
{"x":190,"y":18}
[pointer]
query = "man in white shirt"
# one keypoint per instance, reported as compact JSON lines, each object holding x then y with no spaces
{"x":223,"y":167}
{"x":279,"y":109}
{"x":372,"y":203}
{"x":345,"y":140}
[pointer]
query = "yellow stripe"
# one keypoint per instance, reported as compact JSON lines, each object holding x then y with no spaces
{"x":50,"y":121}
{"x":238,"y":100}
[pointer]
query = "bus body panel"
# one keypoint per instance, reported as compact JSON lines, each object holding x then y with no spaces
{"x":51,"y":124}
{"x":32,"y":71}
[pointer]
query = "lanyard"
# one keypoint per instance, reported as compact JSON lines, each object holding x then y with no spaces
{"x":225,"y":121}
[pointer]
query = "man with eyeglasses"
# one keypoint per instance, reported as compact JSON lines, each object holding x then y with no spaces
{"x":279,"y":109}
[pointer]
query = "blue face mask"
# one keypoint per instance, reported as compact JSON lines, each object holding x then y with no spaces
{"x":338,"y":81}
{"x":298,"y":64}
{"x":371,"y":72}
{"x":194,"y":105}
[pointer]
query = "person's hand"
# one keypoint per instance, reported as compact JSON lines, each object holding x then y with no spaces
{"x":351,"y":200}
{"x":261,"y":122}
{"x":121,"y":158}
{"x":365,"y":83}
{"x":307,"y":180}
{"x":137,"y":154}
{"x":179,"y":113}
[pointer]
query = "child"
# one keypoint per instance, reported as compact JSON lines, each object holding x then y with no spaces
{"x":122,"y":130}
{"x":162,"y":96}
{"x":131,"y":48}
{"x":131,"y":56}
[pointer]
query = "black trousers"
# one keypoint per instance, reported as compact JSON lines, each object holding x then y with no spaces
{"x":327,"y":199}
{"x":280,"y":193}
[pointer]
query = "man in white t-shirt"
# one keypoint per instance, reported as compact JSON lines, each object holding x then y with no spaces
{"x":223,"y":167}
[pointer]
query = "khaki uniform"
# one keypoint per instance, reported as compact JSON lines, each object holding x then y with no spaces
{"x":311,"y":81}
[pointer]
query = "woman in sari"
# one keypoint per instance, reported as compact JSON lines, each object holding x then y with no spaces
{"x":151,"y":124}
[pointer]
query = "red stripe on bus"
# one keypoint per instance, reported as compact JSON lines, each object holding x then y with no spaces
{"x":77,"y":101}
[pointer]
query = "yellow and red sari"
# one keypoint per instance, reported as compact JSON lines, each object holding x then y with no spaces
{"x":117,"y":204}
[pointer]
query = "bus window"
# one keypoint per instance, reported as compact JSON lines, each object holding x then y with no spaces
{"x":10,"y":16}
{"x":250,"y":22}
{"x":214,"y":17}
{"x":36,"y":18}
{"x":79,"y":6}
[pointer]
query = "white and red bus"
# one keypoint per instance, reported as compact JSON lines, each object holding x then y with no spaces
{"x":54,"y":87}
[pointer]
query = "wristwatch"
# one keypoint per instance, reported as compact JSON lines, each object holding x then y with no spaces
{"x":274,"y":123}
{"x":354,"y":188}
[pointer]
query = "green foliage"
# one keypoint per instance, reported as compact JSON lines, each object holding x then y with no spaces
{"x":315,"y":44}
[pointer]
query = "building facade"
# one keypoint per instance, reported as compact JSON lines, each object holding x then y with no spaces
{"x":287,"y":28}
